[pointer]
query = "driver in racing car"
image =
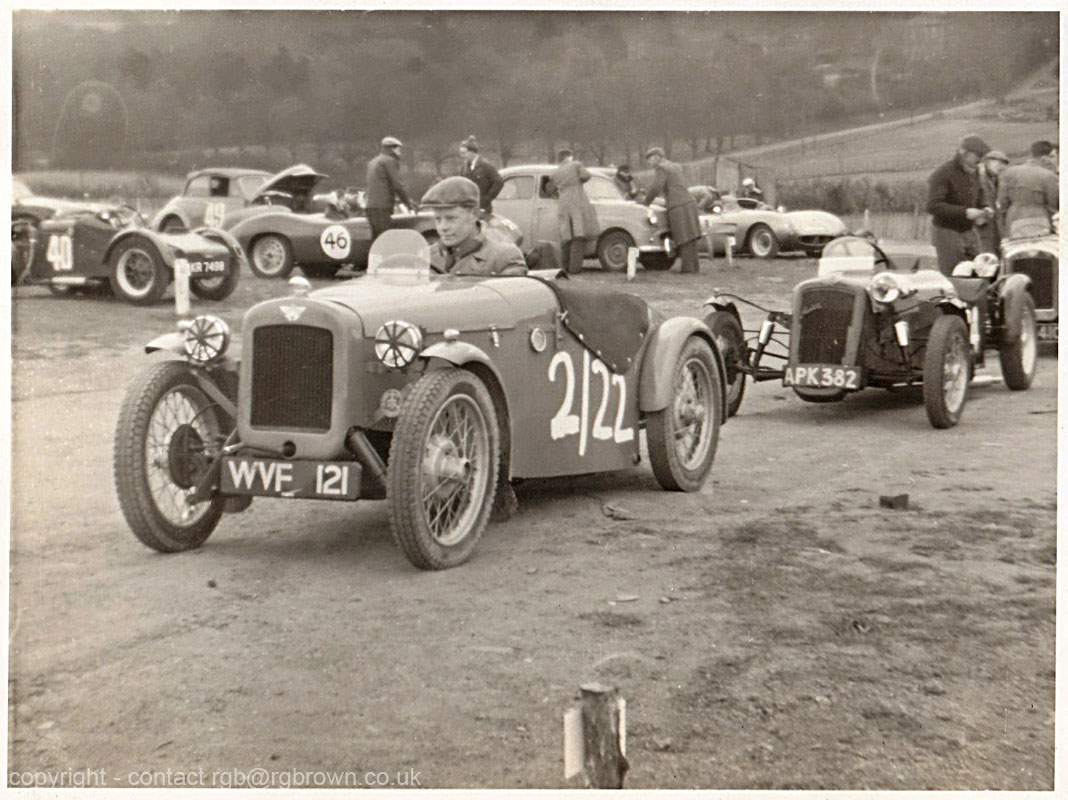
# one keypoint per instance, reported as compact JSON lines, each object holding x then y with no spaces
{"x":467,"y":246}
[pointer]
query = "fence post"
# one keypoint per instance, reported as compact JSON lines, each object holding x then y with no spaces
{"x":181,"y":287}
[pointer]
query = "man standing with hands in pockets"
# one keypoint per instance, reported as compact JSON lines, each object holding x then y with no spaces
{"x":681,"y":206}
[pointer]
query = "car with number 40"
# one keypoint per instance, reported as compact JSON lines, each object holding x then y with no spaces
{"x":430,"y":391}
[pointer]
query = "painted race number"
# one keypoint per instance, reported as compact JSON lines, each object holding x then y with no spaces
{"x":335,"y":241}
{"x":567,"y":423}
{"x":214,"y":214}
{"x":60,"y":253}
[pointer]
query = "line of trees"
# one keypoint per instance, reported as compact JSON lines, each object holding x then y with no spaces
{"x":328,"y":85}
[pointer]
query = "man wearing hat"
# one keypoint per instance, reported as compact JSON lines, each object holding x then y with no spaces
{"x":1028,"y":191}
{"x":681,"y":206}
{"x":465,"y":247}
{"x":576,"y":219}
{"x":483,"y":173}
{"x":955,"y":203}
{"x":751,"y":190}
{"x":385,"y":187}
{"x":988,"y":170}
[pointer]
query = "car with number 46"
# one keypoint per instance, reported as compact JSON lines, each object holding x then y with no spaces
{"x":431,"y":391}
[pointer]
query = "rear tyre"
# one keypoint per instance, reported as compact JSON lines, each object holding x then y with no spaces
{"x":682,"y":438}
{"x":1019,"y":360}
{"x":217,"y":287}
{"x":945,"y":371}
{"x":167,"y":438}
{"x":137,"y":272}
{"x":443,"y":465}
{"x":320,"y":271}
{"x":730,"y":339}
{"x":761,"y":242}
{"x":612,"y":250}
{"x":271,"y":256}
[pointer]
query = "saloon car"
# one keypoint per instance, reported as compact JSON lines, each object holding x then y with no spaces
{"x":865,"y":320}
{"x":427,"y":390}
{"x":112,"y":246}
{"x":1034,"y":250}
{"x":764,"y":232}
{"x":210,"y":197}
{"x":528,"y":200}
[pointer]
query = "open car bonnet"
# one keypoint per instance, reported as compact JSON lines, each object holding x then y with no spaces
{"x":297,"y":180}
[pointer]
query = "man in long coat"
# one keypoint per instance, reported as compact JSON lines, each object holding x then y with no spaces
{"x":1028,"y":191}
{"x":482,"y":172}
{"x":385,"y":187}
{"x":681,"y":206}
{"x":575,"y":217}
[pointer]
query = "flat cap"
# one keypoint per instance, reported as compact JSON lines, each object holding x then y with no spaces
{"x":391,"y":141}
{"x":1041,"y":148}
{"x":454,"y":191}
{"x":996,"y":155}
{"x":974,"y":144}
{"x":470,"y":144}
{"x":654,"y":151}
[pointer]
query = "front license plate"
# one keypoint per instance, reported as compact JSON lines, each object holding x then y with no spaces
{"x":275,"y":477}
{"x":207,"y":267}
{"x":822,"y":376}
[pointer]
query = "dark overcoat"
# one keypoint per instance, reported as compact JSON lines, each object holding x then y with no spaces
{"x":575,"y":216}
{"x":488,"y":180}
{"x":681,"y":205}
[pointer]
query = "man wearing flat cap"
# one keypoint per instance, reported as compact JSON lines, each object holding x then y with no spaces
{"x":385,"y":187}
{"x":1028,"y":192}
{"x":483,"y":173}
{"x":465,"y":247}
{"x":955,"y":203}
{"x":681,"y":206}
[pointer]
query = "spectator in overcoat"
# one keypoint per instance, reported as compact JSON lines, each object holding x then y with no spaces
{"x":482,"y":172}
{"x":955,"y":203}
{"x":575,"y":217}
{"x":385,"y":187}
{"x":1028,"y":191}
{"x":681,"y":206}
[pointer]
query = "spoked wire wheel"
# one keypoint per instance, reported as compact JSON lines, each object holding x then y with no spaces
{"x":682,"y":438}
{"x":443,"y":468}
{"x":167,"y":438}
{"x":945,"y":371}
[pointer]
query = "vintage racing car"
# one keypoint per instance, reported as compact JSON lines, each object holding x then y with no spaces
{"x":81,"y":248}
{"x":1033,"y":249}
{"x":210,"y":197}
{"x":427,"y":390}
{"x":866,"y":321}
{"x":764,"y":232}
{"x":527,"y":199}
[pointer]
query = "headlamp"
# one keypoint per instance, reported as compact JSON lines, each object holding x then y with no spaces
{"x":206,"y":338}
{"x":397,"y":343}
{"x":884,"y":288}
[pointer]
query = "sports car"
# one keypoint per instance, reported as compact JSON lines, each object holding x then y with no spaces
{"x":764,"y":232}
{"x":282,"y":228}
{"x":112,"y":246}
{"x":210,"y":197}
{"x":25,"y":205}
{"x":1034,"y":250}
{"x":866,"y":321}
{"x":430,"y":391}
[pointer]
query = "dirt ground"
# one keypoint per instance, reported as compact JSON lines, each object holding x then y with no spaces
{"x":776,"y":630}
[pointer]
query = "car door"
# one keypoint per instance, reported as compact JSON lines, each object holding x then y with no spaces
{"x":195,"y":200}
{"x":516,"y":202}
{"x":545,"y":225}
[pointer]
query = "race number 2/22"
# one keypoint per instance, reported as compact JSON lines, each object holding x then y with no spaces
{"x":60,"y":253}
{"x":336,"y":241}
{"x":613,"y":388}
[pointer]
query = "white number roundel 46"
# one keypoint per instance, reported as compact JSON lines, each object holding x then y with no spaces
{"x":335,"y":241}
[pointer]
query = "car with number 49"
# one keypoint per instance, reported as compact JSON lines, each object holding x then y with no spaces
{"x":431,"y":391}
{"x":865,"y":320}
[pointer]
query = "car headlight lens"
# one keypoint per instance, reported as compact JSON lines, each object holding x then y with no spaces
{"x":884,"y":288}
{"x":652,"y":218}
{"x":206,"y":338}
{"x":397,"y":343}
{"x":985,"y":265}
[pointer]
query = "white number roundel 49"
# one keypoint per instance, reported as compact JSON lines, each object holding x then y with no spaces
{"x":335,"y":241}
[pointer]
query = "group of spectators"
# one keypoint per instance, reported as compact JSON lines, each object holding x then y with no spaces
{"x":975,"y":199}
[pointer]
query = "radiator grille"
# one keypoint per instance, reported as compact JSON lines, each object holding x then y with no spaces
{"x":824,"y":325}
{"x":1041,"y":271}
{"x":292,"y":377}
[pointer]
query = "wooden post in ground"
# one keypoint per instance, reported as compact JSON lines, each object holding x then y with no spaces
{"x":181,"y":287}
{"x":604,"y":736}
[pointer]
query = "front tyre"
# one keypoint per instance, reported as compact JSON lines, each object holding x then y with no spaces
{"x":612,"y":250}
{"x":167,"y":437}
{"x":320,"y":271}
{"x":1019,"y":359}
{"x":761,"y":242}
{"x":730,"y":339}
{"x":137,"y":272}
{"x":443,"y":465}
{"x":945,"y":371}
{"x":217,"y":287}
{"x":271,"y":256}
{"x":682,"y":438}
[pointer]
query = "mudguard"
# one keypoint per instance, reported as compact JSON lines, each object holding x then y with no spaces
{"x":145,"y":233}
{"x":174,"y":342}
{"x":182,"y":215}
{"x":1011,"y":294}
{"x":460,"y":353}
{"x":714,"y":302}
{"x":658,"y":367}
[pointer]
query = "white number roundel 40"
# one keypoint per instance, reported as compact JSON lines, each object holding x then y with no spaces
{"x":335,"y":241}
